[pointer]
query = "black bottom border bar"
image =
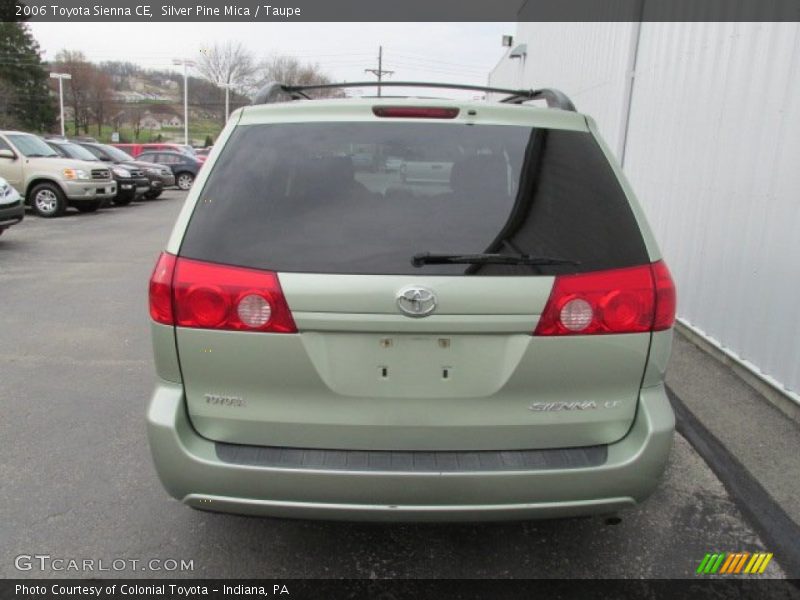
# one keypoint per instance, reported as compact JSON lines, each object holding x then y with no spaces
{"x":395,"y":589}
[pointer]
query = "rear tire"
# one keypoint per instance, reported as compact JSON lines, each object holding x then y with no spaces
{"x":184,"y":181}
{"x":48,"y":201}
{"x":152,"y":195}
{"x":88,"y":207}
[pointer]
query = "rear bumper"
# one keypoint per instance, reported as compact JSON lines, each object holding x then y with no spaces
{"x":191,"y":471}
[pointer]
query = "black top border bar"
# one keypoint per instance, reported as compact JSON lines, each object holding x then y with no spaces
{"x":261,"y":11}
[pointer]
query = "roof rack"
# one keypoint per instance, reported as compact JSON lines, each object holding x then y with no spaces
{"x":272,"y":91}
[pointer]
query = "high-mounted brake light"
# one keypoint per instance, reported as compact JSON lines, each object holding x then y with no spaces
{"x":630,"y":300}
{"x":190,"y":293}
{"x":415,"y":112}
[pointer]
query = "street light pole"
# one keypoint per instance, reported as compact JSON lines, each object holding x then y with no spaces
{"x":186,"y":64}
{"x":61,"y":77}
{"x":227,"y":87}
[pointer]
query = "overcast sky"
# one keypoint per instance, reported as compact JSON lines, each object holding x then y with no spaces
{"x":449,"y":52}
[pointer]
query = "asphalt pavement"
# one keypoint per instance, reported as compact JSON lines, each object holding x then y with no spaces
{"x":77,"y":480}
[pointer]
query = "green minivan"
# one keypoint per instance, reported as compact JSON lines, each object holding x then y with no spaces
{"x":341,"y":342}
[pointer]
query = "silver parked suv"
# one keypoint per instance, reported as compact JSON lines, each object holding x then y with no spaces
{"x":48,"y":182}
{"x":336,"y":339}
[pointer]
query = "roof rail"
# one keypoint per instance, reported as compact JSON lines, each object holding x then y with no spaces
{"x":272,"y":91}
{"x":554,"y":98}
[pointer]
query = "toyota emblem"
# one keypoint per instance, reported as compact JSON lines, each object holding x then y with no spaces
{"x":416,"y":301}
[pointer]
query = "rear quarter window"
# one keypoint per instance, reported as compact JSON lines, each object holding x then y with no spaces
{"x":363,"y":198}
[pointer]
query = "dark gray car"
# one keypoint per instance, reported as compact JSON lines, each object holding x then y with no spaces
{"x":183,"y":166}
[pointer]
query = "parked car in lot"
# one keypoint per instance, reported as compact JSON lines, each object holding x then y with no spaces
{"x":193,"y":152}
{"x":328,"y":345}
{"x":136,"y":149}
{"x":150,"y":179}
{"x":183,"y":166}
{"x":159,"y":177}
{"x":126,"y":180}
{"x":12,"y":209}
{"x":49,"y":183}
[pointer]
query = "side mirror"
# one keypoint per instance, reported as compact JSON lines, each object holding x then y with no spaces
{"x":106,"y":159}
{"x":6,"y":153}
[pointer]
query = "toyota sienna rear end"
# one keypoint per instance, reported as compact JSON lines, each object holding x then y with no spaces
{"x":335,"y":340}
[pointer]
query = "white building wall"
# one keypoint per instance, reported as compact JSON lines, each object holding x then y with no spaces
{"x":587,"y":61}
{"x":712,"y":151}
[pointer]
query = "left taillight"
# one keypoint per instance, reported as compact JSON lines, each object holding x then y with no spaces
{"x":161,"y":290}
{"x":629,"y":300}
{"x":212,"y":296}
{"x":191,"y":293}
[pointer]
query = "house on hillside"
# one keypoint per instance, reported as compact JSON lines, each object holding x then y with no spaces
{"x":128,"y":96}
{"x":159,"y":120}
{"x":173,"y":121}
{"x":148,"y":121}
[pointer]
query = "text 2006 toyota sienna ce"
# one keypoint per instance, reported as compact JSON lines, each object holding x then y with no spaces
{"x":334,"y":341}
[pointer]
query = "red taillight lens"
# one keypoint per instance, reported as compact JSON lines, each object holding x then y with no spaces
{"x":415,"y":112}
{"x":666,"y":298}
{"x":161,"y":290}
{"x":190,"y":293}
{"x":630,"y":300}
{"x":212,"y":296}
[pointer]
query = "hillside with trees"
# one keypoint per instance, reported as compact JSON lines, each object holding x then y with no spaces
{"x":139,"y":104}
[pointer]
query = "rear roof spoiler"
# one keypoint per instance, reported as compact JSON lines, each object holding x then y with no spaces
{"x":276,"y":92}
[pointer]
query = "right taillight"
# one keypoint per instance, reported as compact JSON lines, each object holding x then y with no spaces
{"x":629,"y":300}
{"x":191,"y":293}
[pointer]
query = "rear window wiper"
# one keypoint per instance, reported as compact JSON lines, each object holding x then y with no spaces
{"x":428,"y":258}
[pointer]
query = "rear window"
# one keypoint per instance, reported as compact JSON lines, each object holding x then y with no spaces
{"x":364,"y":198}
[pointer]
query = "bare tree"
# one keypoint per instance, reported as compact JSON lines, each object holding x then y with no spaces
{"x":227,"y":63}
{"x":290,"y":71}
{"x":77,"y":92}
{"x":99,"y":97}
{"x":136,"y":114}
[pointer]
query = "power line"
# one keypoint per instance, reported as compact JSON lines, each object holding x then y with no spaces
{"x":418,"y":57}
{"x":455,"y":72}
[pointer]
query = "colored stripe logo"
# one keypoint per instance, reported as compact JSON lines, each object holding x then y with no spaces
{"x":734,"y":563}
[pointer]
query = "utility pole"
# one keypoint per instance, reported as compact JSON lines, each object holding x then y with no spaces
{"x":186,"y":64}
{"x":379,"y":72}
{"x":61,"y":77}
